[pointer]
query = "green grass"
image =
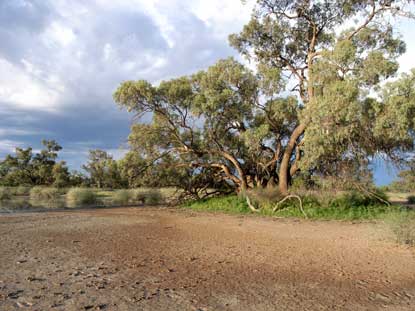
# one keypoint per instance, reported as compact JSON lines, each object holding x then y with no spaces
{"x":334,"y":210}
{"x":229,"y":204}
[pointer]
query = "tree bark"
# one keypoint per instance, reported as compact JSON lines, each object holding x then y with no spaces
{"x":284,"y":172}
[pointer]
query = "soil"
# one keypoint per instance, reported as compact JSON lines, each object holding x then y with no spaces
{"x":170,"y":259}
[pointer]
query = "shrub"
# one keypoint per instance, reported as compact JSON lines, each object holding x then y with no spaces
{"x":403,"y":226}
{"x":81,"y":196}
{"x":146,"y":196}
{"x":5,"y":194}
{"x":123,"y":197}
{"x":153,"y":197}
{"x":411,"y":199}
{"x":44,"y":193}
{"x":22,"y":190}
{"x":357,"y":199}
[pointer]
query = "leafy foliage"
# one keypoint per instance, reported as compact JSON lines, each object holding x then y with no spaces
{"x":251,"y":130}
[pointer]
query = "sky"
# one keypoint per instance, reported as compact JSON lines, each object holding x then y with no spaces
{"x":61,"y":61}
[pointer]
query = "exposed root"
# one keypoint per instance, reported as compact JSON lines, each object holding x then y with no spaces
{"x":250,"y":205}
{"x":291,"y":196}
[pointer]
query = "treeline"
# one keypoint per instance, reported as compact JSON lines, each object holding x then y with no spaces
{"x":27,"y":168}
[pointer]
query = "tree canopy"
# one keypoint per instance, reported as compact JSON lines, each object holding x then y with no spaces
{"x":316,"y":102}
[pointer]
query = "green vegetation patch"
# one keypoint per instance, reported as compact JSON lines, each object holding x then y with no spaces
{"x":44,"y":194}
{"x":5,"y":194}
{"x":80,"y":197}
{"x":349,"y":206}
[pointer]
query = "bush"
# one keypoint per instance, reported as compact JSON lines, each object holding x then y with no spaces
{"x":22,"y":190}
{"x":403,"y":226}
{"x":81,"y":196}
{"x":153,"y":197}
{"x":357,"y":199}
{"x":123,"y":197}
{"x":44,"y":193}
{"x":411,"y":199}
{"x":5,"y":194}
{"x":146,"y":196}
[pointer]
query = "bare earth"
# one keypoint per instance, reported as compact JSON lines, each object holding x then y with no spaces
{"x":167,"y":259}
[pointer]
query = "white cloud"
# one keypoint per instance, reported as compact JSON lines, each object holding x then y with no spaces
{"x":20,"y":88}
{"x":8,"y":146}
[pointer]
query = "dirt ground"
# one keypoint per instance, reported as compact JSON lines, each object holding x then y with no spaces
{"x":168,"y":259}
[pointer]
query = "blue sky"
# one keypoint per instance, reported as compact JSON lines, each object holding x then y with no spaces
{"x":61,"y":60}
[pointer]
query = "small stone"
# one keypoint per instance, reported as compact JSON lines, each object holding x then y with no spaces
{"x":21,"y":261}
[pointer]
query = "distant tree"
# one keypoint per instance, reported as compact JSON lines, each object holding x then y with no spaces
{"x":60,"y":175}
{"x":18,"y":169}
{"x":406,"y":179}
{"x":103,"y":170}
{"x":44,"y":162}
{"x":26,"y":168}
{"x":78,"y":179}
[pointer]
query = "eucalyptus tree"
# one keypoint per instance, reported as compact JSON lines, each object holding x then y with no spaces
{"x":316,"y":101}
{"x":103,"y":170}
{"x":28,"y":168}
{"x":332,"y":56}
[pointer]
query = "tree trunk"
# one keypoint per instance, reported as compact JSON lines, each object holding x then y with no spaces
{"x":284,"y":172}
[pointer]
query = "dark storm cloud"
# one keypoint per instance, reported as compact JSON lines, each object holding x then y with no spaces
{"x":20,"y":21}
{"x":86,"y":56}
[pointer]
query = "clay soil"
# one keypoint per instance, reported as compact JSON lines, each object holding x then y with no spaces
{"x":170,"y":259}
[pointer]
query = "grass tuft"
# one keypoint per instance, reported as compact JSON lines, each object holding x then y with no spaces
{"x":5,"y":194}
{"x":403,"y":226}
{"x":80,"y":197}
{"x":44,"y":194}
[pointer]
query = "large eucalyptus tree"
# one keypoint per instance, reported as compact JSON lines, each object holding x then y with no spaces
{"x":316,"y":101}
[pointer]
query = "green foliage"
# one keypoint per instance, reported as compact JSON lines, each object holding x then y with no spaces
{"x":5,"y":194}
{"x":406,"y":179}
{"x":103,"y":170}
{"x":28,"y":169}
{"x":251,"y":130}
{"x":39,"y":193}
{"x":77,"y":197}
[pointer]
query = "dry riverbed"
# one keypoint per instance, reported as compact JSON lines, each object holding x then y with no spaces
{"x":167,"y":259}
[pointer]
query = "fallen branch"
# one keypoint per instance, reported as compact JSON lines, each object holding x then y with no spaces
{"x":373,"y":194}
{"x":291,"y":196}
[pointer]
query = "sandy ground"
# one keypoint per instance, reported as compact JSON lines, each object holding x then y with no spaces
{"x":167,"y":259}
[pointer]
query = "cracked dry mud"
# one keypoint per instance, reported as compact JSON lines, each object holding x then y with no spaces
{"x":168,"y":259}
